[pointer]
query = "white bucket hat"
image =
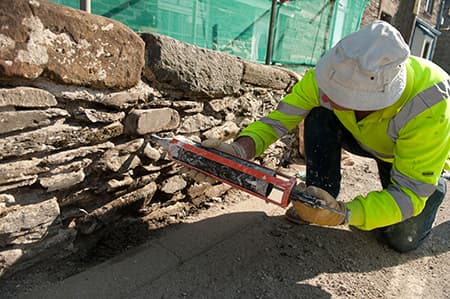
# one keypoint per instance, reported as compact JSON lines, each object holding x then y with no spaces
{"x":365,"y":70}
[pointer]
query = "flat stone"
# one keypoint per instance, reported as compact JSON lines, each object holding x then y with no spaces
{"x":28,"y":97}
{"x":147,"y":121}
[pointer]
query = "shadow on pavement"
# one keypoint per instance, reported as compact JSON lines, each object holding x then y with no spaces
{"x":243,"y":255}
{"x":271,"y":258}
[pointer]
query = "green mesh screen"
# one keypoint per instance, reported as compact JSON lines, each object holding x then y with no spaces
{"x":303,"y":29}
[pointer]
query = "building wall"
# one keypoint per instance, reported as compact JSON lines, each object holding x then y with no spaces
{"x":400,"y":13}
{"x":380,"y":10}
{"x":442,"y":54}
{"x":430,"y":18}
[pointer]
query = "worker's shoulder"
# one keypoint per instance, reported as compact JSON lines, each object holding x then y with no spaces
{"x":426,"y":69}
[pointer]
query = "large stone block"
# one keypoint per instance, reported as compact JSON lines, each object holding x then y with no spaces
{"x":193,"y":70}
{"x":41,"y":38}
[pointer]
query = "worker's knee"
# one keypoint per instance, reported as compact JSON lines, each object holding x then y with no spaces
{"x":411,"y":233}
{"x":406,"y":243}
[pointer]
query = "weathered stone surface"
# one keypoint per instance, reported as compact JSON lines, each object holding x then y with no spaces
{"x":141,"y":122}
{"x":116,"y":184}
{"x":224,"y":104}
{"x":27,"y":224}
{"x":180,"y":106}
{"x":263,"y":75}
{"x":124,"y":99}
{"x":65,"y":176}
{"x":111,"y":211}
{"x":151,"y":153}
{"x":170,"y":62}
{"x":69,"y":155}
{"x":18,"y":120}
{"x":26,"y":97}
{"x":198,"y":122}
{"x":68,"y":45}
{"x":6,"y":200}
{"x":19,"y":170}
{"x":20,"y":173}
{"x":188,"y":106}
{"x":23,"y":181}
{"x":217,"y":190}
{"x":122,"y":157}
{"x":62,"y":181}
{"x":225,"y":131}
{"x":119,"y":163}
{"x":198,"y":189}
{"x":54,"y":247}
{"x":96,"y":116}
{"x":54,"y":137}
{"x":169,"y":214}
{"x":77,"y":198}
{"x":202,"y":192}
{"x":173,"y":184}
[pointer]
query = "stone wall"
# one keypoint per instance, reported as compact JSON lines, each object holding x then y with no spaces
{"x":78,"y":95}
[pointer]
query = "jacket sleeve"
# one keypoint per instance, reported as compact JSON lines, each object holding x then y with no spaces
{"x":291,"y":110}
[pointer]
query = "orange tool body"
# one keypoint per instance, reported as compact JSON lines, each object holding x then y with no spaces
{"x":260,"y":181}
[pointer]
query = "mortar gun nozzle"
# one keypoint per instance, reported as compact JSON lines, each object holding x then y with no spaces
{"x":164,"y":142}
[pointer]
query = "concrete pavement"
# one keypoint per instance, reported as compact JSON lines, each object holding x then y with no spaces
{"x":248,"y":250}
{"x":137,"y":273}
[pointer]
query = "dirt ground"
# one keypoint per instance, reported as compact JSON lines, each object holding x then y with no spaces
{"x":296,"y":262}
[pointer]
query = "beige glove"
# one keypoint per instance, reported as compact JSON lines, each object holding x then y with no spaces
{"x":321,"y":216}
{"x":233,"y":148}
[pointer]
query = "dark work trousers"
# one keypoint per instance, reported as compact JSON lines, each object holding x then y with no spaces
{"x":324,"y":138}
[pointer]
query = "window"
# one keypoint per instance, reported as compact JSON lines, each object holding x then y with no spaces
{"x":426,"y":50}
{"x":429,"y":6}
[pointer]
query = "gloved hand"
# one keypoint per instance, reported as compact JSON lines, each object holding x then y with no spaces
{"x":233,"y":148}
{"x":321,"y":216}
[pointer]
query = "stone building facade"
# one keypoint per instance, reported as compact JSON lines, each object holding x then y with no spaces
{"x":419,"y":23}
{"x":442,"y":52}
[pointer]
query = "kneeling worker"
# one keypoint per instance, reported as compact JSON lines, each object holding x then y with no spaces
{"x":369,"y":96}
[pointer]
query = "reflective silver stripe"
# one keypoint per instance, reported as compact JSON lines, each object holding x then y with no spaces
{"x":375,"y":153}
{"x":403,"y":201}
{"x":279,"y":128}
{"x":422,"y":101}
{"x":420,"y":188}
{"x":291,"y":110}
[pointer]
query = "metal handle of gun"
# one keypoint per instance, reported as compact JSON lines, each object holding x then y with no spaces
{"x":313,"y":201}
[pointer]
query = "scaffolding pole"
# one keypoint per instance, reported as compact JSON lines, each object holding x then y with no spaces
{"x":85,"y":5}
{"x":270,"y":33}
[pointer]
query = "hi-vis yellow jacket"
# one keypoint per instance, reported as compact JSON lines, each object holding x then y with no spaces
{"x":412,"y":134}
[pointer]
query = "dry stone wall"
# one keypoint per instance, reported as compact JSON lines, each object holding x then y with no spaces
{"x":78,"y":95}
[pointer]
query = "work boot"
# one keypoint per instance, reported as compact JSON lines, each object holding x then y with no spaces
{"x":292,"y":216}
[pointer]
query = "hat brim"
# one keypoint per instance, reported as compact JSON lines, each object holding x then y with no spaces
{"x":357,"y":99}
